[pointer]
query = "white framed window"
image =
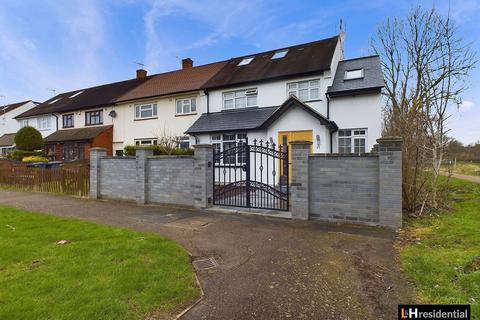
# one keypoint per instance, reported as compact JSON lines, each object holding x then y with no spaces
{"x":353,"y":74}
{"x":352,"y":140}
{"x":146,"y":142}
{"x":146,"y":111}
{"x":240,"y":99}
{"x":225,"y":141}
{"x":43,"y":123}
{"x":186,"y":106}
{"x":246,"y":61}
{"x":24,"y":123}
{"x":305,"y":90}
{"x":184,"y":142}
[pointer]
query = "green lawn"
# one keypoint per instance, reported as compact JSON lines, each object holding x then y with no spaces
{"x":468,"y":168}
{"x":103,"y":273}
{"x":447,"y":244}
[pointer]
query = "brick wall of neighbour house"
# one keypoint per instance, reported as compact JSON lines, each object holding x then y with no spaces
{"x":103,"y":140}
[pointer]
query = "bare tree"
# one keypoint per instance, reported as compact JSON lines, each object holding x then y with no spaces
{"x":426,"y":65}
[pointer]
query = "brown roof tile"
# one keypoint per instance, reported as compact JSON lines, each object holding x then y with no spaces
{"x":75,"y":134}
{"x":12,"y":106}
{"x":7,"y":140}
{"x":178,"y":81}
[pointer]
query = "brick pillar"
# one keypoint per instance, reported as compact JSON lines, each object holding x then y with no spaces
{"x":390,"y":181}
{"x":141,"y":181}
{"x":203,"y":175}
{"x":95,"y":156}
{"x":299,"y":186}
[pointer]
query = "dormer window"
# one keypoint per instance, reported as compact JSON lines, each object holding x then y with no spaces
{"x":279,"y":54}
{"x":76,"y":94}
{"x":245,"y":61}
{"x":52,"y":102}
{"x":353,"y":74}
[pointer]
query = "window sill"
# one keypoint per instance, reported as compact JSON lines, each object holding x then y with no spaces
{"x":68,"y":127}
{"x":93,"y":125}
{"x":143,"y":119}
{"x":313,"y":100}
{"x":185,"y":114}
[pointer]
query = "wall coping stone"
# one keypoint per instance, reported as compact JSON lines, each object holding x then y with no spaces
{"x":344,"y":155}
{"x":387,"y":140}
{"x":203,"y":146}
{"x":94,"y":149}
{"x":178,"y":156}
{"x":301,"y":142}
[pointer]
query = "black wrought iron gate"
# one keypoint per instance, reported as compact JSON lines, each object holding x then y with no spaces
{"x":251,"y":176}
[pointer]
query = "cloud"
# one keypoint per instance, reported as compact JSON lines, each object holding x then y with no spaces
{"x":70,"y":58}
{"x":466,"y":105}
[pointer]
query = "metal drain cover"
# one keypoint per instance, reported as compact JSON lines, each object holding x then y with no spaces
{"x":204,"y":264}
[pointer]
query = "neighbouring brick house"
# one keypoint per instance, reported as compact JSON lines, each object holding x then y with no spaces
{"x":74,"y":144}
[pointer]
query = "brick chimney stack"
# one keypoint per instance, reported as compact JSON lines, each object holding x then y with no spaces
{"x":187,"y":63}
{"x":141,"y":73}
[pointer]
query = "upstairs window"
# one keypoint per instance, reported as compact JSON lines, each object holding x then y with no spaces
{"x":245,"y":61}
{"x":279,"y":54}
{"x":146,"y":111}
{"x":24,"y":123}
{"x":93,"y":117}
{"x":353,"y":74}
{"x":67,"y":120}
{"x":240,"y":99}
{"x":352,"y":141}
{"x":305,"y":90}
{"x":43,"y":123}
{"x":186,"y":106}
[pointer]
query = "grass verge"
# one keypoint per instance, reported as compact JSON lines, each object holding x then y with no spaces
{"x":103,"y":273}
{"x":442,"y":247}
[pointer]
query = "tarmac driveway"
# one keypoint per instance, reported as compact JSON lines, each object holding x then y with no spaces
{"x":267,"y":268}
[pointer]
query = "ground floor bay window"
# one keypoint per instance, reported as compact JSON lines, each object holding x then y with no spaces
{"x":352,"y":140}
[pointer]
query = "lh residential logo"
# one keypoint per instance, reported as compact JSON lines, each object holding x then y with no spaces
{"x":434,"y":311}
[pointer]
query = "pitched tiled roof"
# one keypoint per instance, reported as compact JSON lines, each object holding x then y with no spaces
{"x":184,"y":80}
{"x":242,"y":119}
{"x":7,"y":140}
{"x":372,"y":76}
{"x":12,"y":106}
{"x":79,"y":134}
{"x":301,"y":59}
{"x":88,"y":98}
{"x":250,"y":118}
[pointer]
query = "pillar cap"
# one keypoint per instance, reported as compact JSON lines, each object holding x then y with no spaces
{"x":202,"y":146}
{"x":97,"y":149}
{"x":383,"y":140}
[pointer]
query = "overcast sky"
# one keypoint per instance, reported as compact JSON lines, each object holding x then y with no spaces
{"x":67,"y":45}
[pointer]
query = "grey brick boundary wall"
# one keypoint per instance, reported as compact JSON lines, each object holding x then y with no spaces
{"x":180,"y":180}
{"x":365,"y":189}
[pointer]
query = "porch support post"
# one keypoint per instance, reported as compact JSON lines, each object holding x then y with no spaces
{"x":299,"y":187}
{"x":390,"y":181}
{"x":141,"y":179}
{"x":96,"y":154}
{"x":203,"y":176}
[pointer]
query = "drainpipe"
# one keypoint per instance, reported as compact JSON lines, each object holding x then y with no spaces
{"x":328,"y":106}
{"x":208,"y":100}
{"x":331,"y":140}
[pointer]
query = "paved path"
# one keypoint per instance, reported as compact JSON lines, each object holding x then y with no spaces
{"x":466,"y":177}
{"x":268,"y":268}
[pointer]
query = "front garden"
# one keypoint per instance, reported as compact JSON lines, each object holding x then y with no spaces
{"x":101,"y":272}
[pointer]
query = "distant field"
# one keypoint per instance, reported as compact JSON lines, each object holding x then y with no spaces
{"x":468,"y":168}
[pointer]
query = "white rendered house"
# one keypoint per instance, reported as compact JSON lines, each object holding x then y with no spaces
{"x":305,"y":92}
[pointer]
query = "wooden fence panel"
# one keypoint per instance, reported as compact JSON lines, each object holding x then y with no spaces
{"x":72,"y":179}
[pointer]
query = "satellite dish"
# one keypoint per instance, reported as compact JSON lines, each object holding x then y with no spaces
{"x":113,"y":114}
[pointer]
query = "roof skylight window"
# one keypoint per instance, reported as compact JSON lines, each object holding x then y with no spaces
{"x":245,"y":61}
{"x":52,"y":102}
{"x":353,"y":74}
{"x":279,"y":54}
{"x":76,"y":94}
